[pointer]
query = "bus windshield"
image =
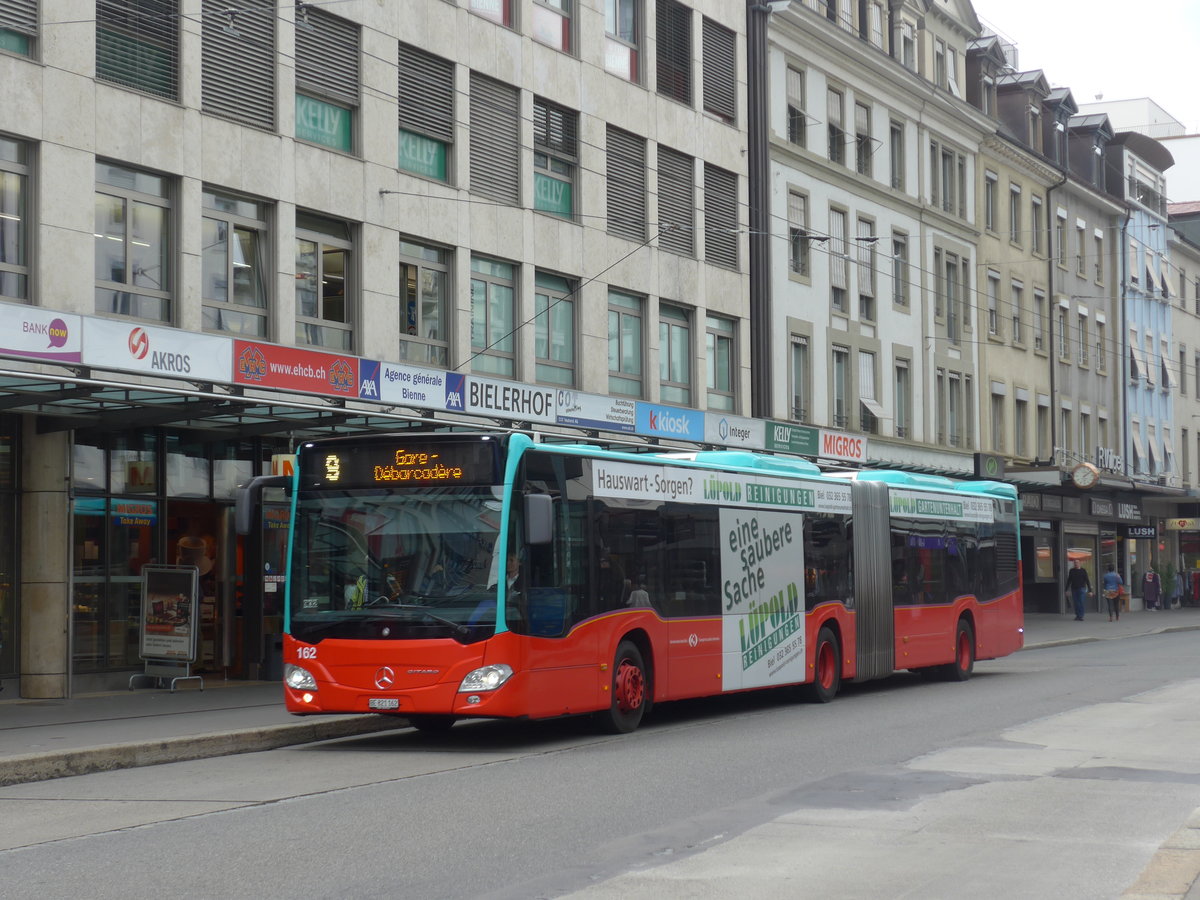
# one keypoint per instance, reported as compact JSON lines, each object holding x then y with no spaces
{"x":396,"y":565}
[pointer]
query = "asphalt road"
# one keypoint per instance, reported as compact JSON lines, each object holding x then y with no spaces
{"x":1055,"y":772}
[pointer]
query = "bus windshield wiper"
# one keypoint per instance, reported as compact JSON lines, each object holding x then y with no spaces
{"x":458,"y":627}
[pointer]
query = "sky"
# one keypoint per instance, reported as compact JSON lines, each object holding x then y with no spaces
{"x":1121,"y":50}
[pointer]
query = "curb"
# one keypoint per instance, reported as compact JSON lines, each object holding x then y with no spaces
{"x":1088,"y":639}
{"x":108,"y":757}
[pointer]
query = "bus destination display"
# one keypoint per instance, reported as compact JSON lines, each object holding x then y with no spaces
{"x":401,"y":464}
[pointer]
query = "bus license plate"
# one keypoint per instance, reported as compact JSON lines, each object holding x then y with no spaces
{"x":383,"y":703}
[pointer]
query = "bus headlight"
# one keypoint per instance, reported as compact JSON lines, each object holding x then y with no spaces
{"x":487,"y":678}
{"x":298,"y":678}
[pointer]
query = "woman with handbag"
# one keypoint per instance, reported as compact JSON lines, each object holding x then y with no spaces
{"x":1113,"y":584}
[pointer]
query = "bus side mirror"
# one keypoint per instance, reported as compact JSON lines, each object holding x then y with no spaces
{"x":249,"y":499}
{"x":539,"y":518}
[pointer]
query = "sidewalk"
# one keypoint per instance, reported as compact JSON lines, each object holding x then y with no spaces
{"x":42,"y":739}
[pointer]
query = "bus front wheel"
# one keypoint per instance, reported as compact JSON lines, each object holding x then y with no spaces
{"x":827,"y":668}
{"x":964,"y":654}
{"x":630,"y":691}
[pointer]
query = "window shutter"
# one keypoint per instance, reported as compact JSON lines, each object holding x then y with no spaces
{"x":137,"y":45}
{"x":720,"y":71}
{"x":676,"y":202}
{"x":495,"y":140}
{"x":426,"y":94}
{"x":626,"y":178}
{"x":673,"y":29}
{"x":238,"y":76}
{"x":327,"y":57}
{"x":554,"y":127}
{"x":720,"y":217}
{"x":20,"y":16}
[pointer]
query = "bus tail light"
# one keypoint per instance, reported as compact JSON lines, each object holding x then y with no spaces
{"x":487,"y":678}
{"x":298,"y":679}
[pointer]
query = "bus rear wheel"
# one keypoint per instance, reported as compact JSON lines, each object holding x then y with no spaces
{"x":432,"y":724}
{"x":827,"y":669}
{"x":630,"y":691}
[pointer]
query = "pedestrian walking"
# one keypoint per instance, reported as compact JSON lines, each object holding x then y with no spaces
{"x":1079,"y":588}
{"x":1113,"y":584}
{"x":1151,"y":590}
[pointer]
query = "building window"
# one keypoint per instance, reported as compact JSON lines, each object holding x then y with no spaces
{"x":1036,"y":225}
{"x":720,"y":71}
{"x":137,"y":45}
{"x":993,"y":302}
{"x":1083,"y":339}
{"x":493,"y":317}
{"x":902,"y":403}
{"x":998,"y":422}
{"x":1064,"y":345}
{"x":14,"y":219}
{"x":939,"y":297}
{"x":1060,"y":238}
{"x":499,"y":11}
{"x":426,"y":113}
{"x":1042,"y":449}
{"x":1080,"y":256}
{"x":1182,"y":370}
{"x":1014,"y":213}
{"x":1018,"y":312}
{"x":939,"y":62}
{"x":622,"y":40}
{"x":551,"y":23}
{"x":989,"y":201}
{"x":866,"y":269}
{"x":954,"y":410}
{"x":908,"y":46}
{"x":719,"y":335}
{"x":720,"y":217}
{"x":1099,"y":251}
{"x":871,"y":411}
{"x":133,"y":252}
{"x":841,"y":387}
{"x":18,"y":26}
{"x":835,"y":116}
{"x":625,"y":345}
{"x":424,"y":293}
{"x":673,"y":31}
{"x":495,"y":140}
{"x":900,"y":269}
{"x":864,"y":144}
{"x":953,"y":309}
{"x":554,"y":329}
{"x":797,"y":121}
{"x":798,"y":234}
{"x":674,"y":355}
{"x":676,"y":202}
{"x":323,"y":282}
{"x":625,"y":184}
{"x":1020,"y":427}
{"x":1101,"y":349}
{"x":1039,"y":320}
{"x":896,"y":153}
{"x":801,"y":379}
{"x":327,"y":79}
{"x":875,"y":34}
{"x":839,"y":261}
{"x":234,"y":270}
{"x":555,"y":157}
{"x":237,"y":79}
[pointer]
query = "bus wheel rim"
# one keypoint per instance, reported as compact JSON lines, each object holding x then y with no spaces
{"x":631,"y":686}
{"x":825,"y":665}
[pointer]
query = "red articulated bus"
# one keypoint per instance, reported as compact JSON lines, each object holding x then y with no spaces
{"x":438,"y":576}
